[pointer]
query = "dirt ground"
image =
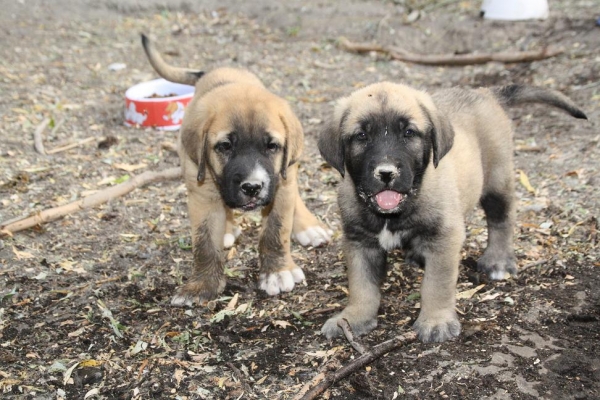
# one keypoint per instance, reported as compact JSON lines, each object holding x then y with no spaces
{"x":84,"y":300}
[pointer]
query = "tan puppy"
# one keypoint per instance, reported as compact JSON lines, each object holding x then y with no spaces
{"x":239,"y":146}
{"x":414,"y":165}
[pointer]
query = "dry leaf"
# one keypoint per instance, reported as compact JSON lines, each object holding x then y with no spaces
{"x":178,"y":375}
{"x":489,"y":297}
{"x":77,"y":332}
{"x":467,"y":294}
{"x":69,"y":372}
{"x":90,"y":363}
{"x":93,"y":392}
{"x":525,"y":181}
{"x":22,"y":255}
{"x":233,"y":302}
{"x":282,"y":324}
{"x":130,"y":167}
{"x":261,"y":380}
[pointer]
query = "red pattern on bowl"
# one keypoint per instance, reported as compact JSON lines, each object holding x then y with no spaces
{"x":145,"y":105}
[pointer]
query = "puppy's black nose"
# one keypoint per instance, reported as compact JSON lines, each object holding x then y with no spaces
{"x":251,"y":189}
{"x":386,"y":173}
{"x":386,"y":176}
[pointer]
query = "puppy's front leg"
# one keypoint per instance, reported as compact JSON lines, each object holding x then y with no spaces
{"x":366,"y":270}
{"x":278,"y":272}
{"x":208,"y":227}
{"x":438,"y":321}
{"x":308,"y":230}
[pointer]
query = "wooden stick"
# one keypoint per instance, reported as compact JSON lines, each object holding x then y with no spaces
{"x":534,"y":264}
{"x":169,"y":146}
{"x":70,"y":146}
{"x":240,"y":377}
{"x":533,"y":149}
{"x":57,"y":126}
{"x":101,"y":197}
{"x":449,"y":59}
{"x":347,"y":329}
{"x":366,"y":358}
{"x":38,"y":139}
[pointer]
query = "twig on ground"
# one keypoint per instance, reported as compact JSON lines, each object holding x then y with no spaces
{"x":321,"y":311}
{"x":97,"y":283}
{"x":347,"y":329}
{"x":449,"y":59}
{"x":57,"y":126}
{"x":313,"y":383}
{"x":169,"y":146}
{"x":374,"y":353}
{"x":241,"y":377}
{"x":70,"y":146}
{"x":101,"y":197}
{"x":533,"y":149}
{"x":533,"y":264}
{"x":38,"y":138}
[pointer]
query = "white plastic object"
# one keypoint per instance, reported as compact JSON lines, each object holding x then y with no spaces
{"x":515,"y":10}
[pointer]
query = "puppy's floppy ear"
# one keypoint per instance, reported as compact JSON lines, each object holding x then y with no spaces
{"x":194,"y":142}
{"x":331,"y":145}
{"x":441,"y":132}
{"x":294,"y":139}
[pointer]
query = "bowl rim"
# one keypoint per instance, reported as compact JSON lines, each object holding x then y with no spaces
{"x":131,"y":95}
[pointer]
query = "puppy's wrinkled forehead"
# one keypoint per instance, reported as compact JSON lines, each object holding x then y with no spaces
{"x":250,"y":123}
{"x":386,"y":103}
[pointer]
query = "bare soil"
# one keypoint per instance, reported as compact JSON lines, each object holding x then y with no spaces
{"x":84,"y":301}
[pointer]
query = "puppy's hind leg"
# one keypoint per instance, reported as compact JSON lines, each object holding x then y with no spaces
{"x":366,"y":271}
{"x":499,"y":258}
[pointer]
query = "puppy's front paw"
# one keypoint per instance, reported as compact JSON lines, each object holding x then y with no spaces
{"x":496,"y":264}
{"x":281,"y":281}
{"x":197,"y":291}
{"x":313,"y":236}
{"x":437,"y":329}
{"x":359,"y":325}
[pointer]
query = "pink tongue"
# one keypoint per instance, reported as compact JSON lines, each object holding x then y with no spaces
{"x":388,"y":199}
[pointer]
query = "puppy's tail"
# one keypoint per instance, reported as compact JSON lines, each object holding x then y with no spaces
{"x":513,"y":95}
{"x":174,"y":74}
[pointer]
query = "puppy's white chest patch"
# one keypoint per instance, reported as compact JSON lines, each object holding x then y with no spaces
{"x":389,"y":240}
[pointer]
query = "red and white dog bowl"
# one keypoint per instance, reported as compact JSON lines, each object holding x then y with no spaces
{"x":159,"y":104}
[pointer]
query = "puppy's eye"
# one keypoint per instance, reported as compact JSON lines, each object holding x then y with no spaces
{"x":273,"y":147}
{"x":409,"y":133}
{"x":361,"y":135}
{"x":223,"y":147}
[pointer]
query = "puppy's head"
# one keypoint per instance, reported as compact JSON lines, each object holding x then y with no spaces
{"x":244,"y":138}
{"x":384,"y":136}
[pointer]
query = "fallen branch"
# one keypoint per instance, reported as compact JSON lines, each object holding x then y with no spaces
{"x":169,"y":146}
{"x":57,"y":126}
{"x":70,"y":146}
{"x":358,"y":346}
{"x":449,"y":59}
{"x":101,"y":197}
{"x":38,"y":139}
{"x":534,"y":264}
{"x":374,"y":353}
{"x":241,"y":378}
{"x":533,"y":149}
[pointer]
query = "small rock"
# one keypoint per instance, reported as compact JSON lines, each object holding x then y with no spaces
{"x":117,"y":66}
